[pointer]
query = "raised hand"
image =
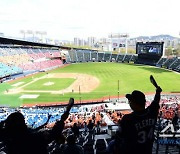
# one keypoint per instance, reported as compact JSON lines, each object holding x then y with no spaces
{"x":158,"y":89}
{"x":71,"y":103}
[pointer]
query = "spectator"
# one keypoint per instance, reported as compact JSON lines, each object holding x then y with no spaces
{"x":137,"y":128}
{"x":71,"y":147}
{"x":19,"y":139}
{"x":98,"y":129}
{"x":85,"y":126}
{"x":111,"y":146}
{"x":175,"y":122}
{"x":57,"y":145}
{"x":75,"y":130}
{"x":90,"y":125}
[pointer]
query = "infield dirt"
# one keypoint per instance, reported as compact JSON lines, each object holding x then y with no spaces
{"x":83,"y":83}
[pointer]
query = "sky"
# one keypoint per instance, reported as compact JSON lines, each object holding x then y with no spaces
{"x":66,"y":19}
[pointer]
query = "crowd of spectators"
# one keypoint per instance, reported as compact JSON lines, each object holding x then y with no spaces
{"x":78,"y":129}
{"x":14,"y":61}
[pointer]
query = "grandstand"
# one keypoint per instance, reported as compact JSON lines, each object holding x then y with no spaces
{"x":100,"y":56}
{"x":16,"y":60}
{"x":91,"y":56}
{"x":108,"y":114}
{"x":94,"y":56}
{"x":28,"y":59}
{"x":20,"y":59}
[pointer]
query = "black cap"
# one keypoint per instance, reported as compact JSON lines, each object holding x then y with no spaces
{"x":137,"y":96}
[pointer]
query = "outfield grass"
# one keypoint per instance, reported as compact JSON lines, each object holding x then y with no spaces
{"x":130,"y":77}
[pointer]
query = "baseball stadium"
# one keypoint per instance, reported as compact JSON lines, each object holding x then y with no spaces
{"x":38,"y":79}
{"x":33,"y":76}
{"x":89,"y":77}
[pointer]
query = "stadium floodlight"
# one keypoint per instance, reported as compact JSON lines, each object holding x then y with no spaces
{"x":44,"y":32}
{"x":41,"y":33}
{"x":29,"y":31}
{"x":23,"y":32}
{"x":37,"y":32}
{"x":1,"y":34}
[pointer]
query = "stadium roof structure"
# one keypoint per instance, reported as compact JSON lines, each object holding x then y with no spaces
{"x":21,"y":43}
{"x":16,"y":42}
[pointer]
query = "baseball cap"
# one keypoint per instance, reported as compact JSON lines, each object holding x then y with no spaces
{"x":137,"y":96}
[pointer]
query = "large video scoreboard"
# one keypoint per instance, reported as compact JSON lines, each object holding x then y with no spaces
{"x":150,"y":48}
{"x":149,"y":52}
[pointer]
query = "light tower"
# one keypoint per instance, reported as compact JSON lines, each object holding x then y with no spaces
{"x":23,"y":32}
